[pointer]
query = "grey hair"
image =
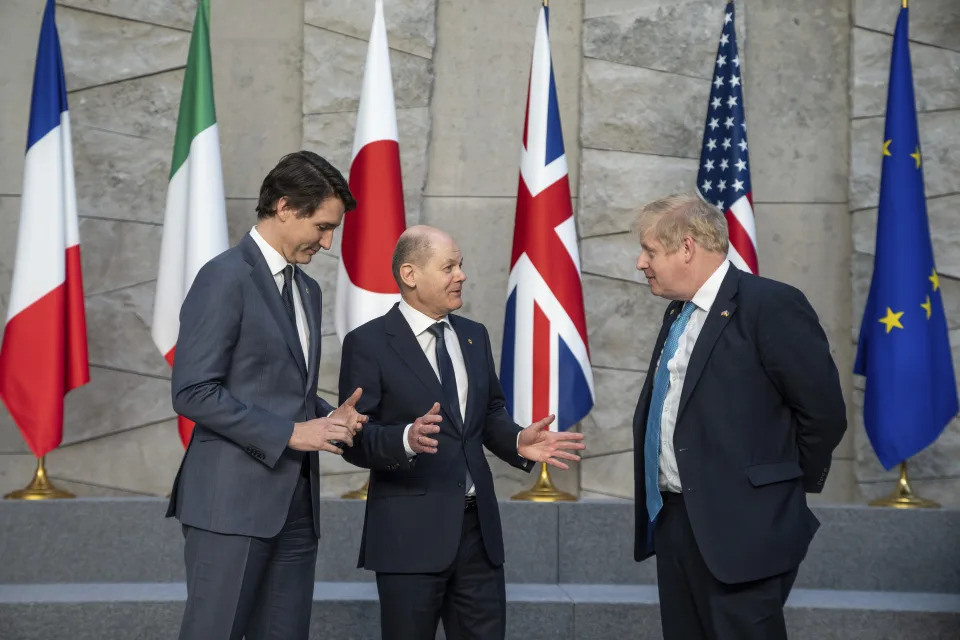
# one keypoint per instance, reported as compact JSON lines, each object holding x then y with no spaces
{"x":685,"y":214}
{"x":411,"y":248}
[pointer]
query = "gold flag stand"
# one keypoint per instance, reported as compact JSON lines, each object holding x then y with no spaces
{"x":40,"y":487}
{"x":543,"y":490}
{"x":903,"y":496}
{"x":358,"y":494}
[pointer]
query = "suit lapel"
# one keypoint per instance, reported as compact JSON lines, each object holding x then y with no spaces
{"x":263,"y":279}
{"x":720,"y":313}
{"x":471,"y":360}
{"x":311,"y":307}
{"x":405,"y":344}
{"x":669,"y":316}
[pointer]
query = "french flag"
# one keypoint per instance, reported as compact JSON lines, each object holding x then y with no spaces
{"x":365,"y":285}
{"x":44,"y":352}
{"x":545,"y":363}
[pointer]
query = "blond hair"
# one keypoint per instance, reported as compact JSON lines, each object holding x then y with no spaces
{"x":676,"y":216}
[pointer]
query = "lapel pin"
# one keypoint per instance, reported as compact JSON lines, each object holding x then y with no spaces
{"x":724,"y":313}
{"x":469,"y":340}
{"x":672,"y":311}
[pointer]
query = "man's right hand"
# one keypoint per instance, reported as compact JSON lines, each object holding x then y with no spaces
{"x":422,"y":428}
{"x":320,"y":434}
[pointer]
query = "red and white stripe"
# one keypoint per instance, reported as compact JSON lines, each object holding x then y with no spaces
{"x":742,"y":231}
{"x":365,"y":285}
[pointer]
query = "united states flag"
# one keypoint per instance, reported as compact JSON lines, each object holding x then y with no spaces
{"x":724,"y":176}
{"x":545,"y":365}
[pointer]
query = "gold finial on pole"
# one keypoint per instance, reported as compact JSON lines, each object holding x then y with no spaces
{"x":358,"y":494}
{"x":40,"y":488}
{"x":543,"y":490}
{"x":904,"y":4}
{"x":546,"y":3}
{"x":903,"y":496}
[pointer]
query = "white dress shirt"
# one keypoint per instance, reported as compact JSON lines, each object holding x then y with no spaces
{"x":669,"y":479}
{"x":420,"y":324}
{"x":276,"y":263}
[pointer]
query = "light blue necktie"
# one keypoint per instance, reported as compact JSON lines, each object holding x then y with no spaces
{"x":661,"y":384}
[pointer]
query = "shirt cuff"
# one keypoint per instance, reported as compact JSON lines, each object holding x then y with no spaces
{"x":518,"y":443}
{"x":406,"y":443}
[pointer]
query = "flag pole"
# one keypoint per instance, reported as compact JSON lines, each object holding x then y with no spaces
{"x":543,"y":490}
{"x":40,"y":488}
{"x":358,"y":494}
{"x":903,"y":496}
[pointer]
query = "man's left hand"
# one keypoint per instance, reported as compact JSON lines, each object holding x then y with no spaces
{"x":347,"y":412}
{"x":539,"y":444}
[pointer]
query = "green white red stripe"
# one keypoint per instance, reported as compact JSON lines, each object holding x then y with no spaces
{"x":195,"y":221}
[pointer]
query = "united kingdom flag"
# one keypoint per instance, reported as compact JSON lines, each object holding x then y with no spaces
{"x":724,"y":176}
{"x":545,"y":365}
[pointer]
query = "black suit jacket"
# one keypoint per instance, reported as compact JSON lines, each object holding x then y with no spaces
{"x":240,"y":374}
{"x":760,"y":413}
{"x":414,"y":508}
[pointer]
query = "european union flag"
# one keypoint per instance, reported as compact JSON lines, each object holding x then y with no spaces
{"x":904,"y":350}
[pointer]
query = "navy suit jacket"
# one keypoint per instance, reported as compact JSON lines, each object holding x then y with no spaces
{"x":414,"y":507}
{"x":760,"y":414}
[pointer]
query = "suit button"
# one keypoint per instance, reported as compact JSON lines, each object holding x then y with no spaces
{"x":460,"y":484}
{"x":689,"y":489}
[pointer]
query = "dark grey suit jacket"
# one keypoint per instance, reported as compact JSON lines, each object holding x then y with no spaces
{"x":239,"y":373}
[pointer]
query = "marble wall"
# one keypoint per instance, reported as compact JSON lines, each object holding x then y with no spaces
{"x":632,"y":77}
{"x":124,"y":62}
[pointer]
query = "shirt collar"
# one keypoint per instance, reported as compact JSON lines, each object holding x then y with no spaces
{"x":275,"y":260}
{"x":419,"y":321}
{"x":707,"y":294}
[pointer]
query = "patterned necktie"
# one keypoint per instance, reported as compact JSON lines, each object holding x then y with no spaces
{"x":447,"y":378}
{"x":661,"y":384}
{"x":287,"y":294}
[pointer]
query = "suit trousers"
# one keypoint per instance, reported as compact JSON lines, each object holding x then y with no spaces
{"x":257,"y":588}
{"x":470,"y":596}
{"x":695,"y":605}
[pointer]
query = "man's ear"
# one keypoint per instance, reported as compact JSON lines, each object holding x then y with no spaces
{"x":283,"y":208}
{"x":689,"y":248}
{"x":408,"y":275}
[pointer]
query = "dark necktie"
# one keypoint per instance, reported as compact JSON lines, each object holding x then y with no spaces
{"x":287,"y":294}
{"x":447,"y":378}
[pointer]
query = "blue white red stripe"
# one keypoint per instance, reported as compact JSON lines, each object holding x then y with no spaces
{"x":44,"y":352}
{"x":545,"y":363}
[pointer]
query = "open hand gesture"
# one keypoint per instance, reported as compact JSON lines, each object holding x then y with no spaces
{"x":539,"y":444}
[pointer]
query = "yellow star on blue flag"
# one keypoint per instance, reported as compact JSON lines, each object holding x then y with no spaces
{"x":911,"y":390}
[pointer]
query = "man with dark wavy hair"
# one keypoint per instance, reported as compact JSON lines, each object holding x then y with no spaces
{"x":245,"y":372}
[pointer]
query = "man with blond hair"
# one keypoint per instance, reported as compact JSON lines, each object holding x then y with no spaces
{"x":737,"y":419}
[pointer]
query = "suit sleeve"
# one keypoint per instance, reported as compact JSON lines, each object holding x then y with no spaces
{"x":500,"y":432}
{"x":377,"y":445}
{"x":796,"y":355}
{"x":210,"y":320}
{"x":323,"y":407}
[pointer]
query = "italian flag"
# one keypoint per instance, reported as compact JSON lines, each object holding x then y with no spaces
{"x":195,"y":222}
